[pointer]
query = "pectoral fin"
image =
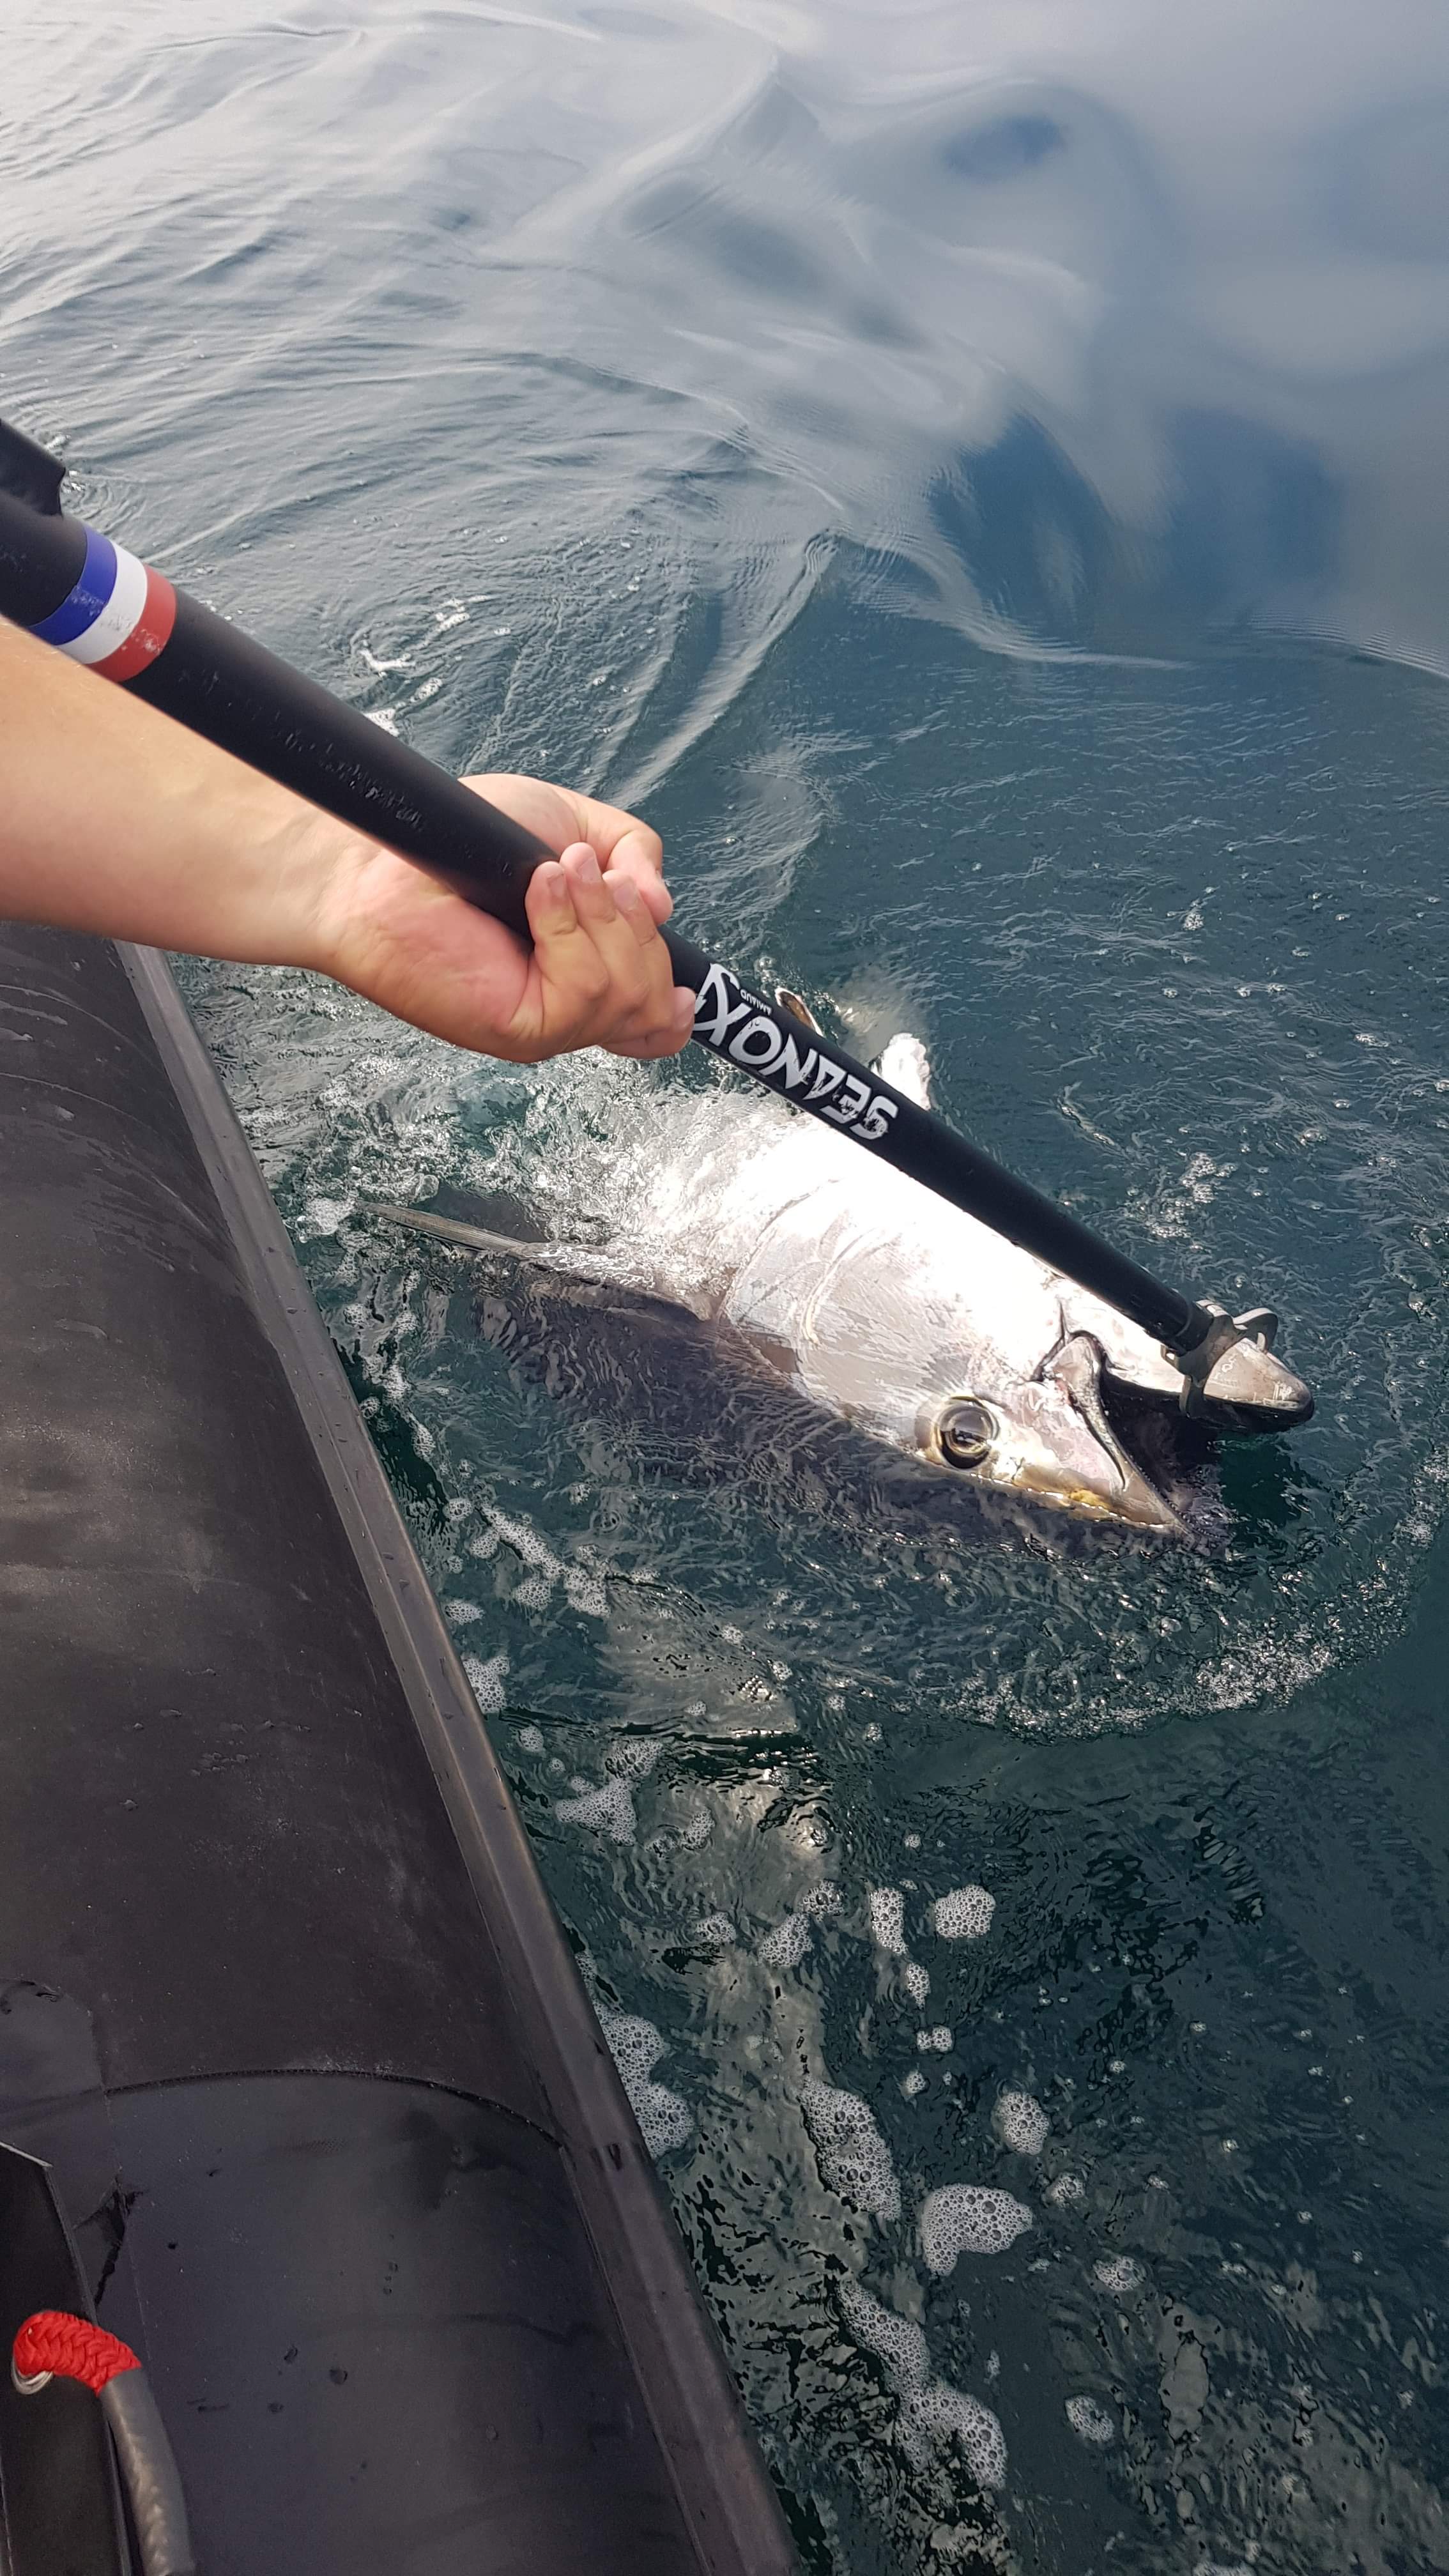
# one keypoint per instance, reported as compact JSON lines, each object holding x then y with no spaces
{"x":570,"y":1260}
{"x":797,"y":1009}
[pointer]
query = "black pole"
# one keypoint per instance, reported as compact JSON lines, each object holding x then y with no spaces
{"x":213,"y":678}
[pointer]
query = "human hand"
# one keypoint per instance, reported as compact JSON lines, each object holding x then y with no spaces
{"x":115,"y":820}
{"x":598,"y":973}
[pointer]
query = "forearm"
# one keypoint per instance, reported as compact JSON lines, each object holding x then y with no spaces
{"x":115,"y":819}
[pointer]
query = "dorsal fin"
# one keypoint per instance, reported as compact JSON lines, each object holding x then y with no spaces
{"x":797,"y":1009}
{"x":907,"y":1067}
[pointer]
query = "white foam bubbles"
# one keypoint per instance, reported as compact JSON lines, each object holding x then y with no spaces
{"x":966,"y":2218}
{"x":712,"y":1932}
{"x":942,"y":2039}
{"x":895,"y":2340}
{"x":933,"y":2416}
{"x":1067,"y":2188}
{"x":916,"y":1980}
{"x":530,"y":1739}
{"x":786,"y":1946}
{"x":822,"y":1899}
{"x":938,"y":2416}
{"x":608,"y":1810}
{"x":525,"y":1543}
{"x":327,"y":1216}
{"x":636,"y":1759}
{"x":887,"y":1909}
{"x":582,"y":1587}
{"x":486,"y":1680}
{"x":854,"y":2158}
{"x":913,"y":2083}
{"x":963,"y":1914}
{"x":1119,"y":2273}
{"x":1090,"y":2422}
{"x":664,"y":2118}
{"x":1020,"y":2123}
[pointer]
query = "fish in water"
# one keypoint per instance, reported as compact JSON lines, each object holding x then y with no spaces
{"x":876,"y":1301}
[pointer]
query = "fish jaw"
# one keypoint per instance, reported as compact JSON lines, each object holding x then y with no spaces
{"x":1055,"y":1446}
{"x":1052,"y":1454}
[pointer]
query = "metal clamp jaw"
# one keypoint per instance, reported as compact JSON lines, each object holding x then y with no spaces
{"x":1230,"y":1374}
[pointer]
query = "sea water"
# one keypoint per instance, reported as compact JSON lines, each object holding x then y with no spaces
{"x":976,"y":479}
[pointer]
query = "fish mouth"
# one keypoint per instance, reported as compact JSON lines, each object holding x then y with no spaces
{"x":1126,"y":1493}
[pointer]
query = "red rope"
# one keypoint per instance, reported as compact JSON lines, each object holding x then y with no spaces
{"x":70,"y":2348}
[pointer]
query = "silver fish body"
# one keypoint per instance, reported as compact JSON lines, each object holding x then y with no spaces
{"x":923,"y":1328}
{"x":875,"y":1300}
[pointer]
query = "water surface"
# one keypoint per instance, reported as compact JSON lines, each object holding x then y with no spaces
{"x":977,"y":479}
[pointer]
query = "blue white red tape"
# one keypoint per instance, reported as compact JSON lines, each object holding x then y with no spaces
{"x":118,"y":616}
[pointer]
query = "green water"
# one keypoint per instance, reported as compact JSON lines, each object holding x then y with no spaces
{"x":978,"y":490}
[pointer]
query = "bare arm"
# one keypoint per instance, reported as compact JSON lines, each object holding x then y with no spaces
{"x":116,"y":820}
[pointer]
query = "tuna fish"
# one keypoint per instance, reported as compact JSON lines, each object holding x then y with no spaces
{"x":873,"y":1299}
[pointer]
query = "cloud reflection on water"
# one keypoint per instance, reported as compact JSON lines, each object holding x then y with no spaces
{"x":1123,"y":335}
{"x":1114,"y":332}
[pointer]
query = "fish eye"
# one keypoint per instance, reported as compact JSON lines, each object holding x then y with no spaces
{"x":965,"y":1431}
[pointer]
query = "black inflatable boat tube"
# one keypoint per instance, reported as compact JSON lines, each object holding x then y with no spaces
{"x":283,"y":2003}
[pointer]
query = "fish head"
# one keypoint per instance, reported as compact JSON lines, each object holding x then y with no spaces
{"x":1046,"y":1438}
